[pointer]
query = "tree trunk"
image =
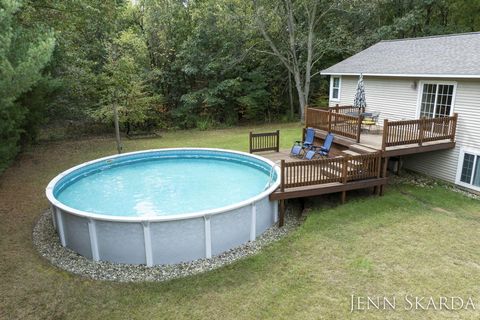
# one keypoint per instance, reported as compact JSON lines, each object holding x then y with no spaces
{"x":290,"y":95}
{"x":117,"y":126}
{"x":301,"y":94}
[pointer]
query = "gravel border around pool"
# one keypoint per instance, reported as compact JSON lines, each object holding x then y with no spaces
{"x":47,"y":243}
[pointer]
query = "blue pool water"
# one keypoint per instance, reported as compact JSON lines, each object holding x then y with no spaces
{"x":161,"y":185}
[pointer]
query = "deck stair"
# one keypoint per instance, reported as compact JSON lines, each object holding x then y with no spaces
{"x":350,"y":153}
{"x":362,"y":149}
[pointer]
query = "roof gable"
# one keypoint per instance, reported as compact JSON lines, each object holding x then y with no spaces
{"x":443,"y":56}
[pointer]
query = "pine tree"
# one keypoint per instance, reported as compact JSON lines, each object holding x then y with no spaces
{"x":24,"y":52}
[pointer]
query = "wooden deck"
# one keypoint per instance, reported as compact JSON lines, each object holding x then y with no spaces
{"x":358,"y":159}
{"x":393,"y":138}
{"x":338,"y":173}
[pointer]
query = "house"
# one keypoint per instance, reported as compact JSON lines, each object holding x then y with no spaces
{"x":430,"y":78}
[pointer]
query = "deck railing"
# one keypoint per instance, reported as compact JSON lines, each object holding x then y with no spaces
{"x":338,"y":123}
{"x":344,"y":109}
{"x":396,"y":133}
{"x":340,"y":169}
{"x":267,"y":141}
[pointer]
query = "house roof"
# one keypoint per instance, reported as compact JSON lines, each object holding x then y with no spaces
{"x":446,"y":56}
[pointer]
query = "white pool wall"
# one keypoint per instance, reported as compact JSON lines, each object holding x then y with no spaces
{"x":166,"y":239}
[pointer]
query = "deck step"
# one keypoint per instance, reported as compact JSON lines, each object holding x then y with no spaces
{"x":367,"y":146}
{"x":351,"y":153}
{"x":362,"y":149}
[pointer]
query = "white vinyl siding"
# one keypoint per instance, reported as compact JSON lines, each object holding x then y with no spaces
{"x":444,"y":164}
{"x":397,"y":99}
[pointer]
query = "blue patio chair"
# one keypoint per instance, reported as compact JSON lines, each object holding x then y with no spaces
{"x":320,"y":151}
{"x":301,"y":146}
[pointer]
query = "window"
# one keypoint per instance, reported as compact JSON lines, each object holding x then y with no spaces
{"x":335,"y":84}
{"x":469,"y":169}
{"x":436,"y":100}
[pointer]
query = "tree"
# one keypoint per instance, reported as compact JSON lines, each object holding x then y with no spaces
{"x":24,"y":53}
{"x":295,"y":43}
{"x":126,"y":87}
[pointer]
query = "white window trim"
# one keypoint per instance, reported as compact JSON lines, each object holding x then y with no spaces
{"x":339,"y":88}
{"x":420,"y":94}
{"x":464,"y":150}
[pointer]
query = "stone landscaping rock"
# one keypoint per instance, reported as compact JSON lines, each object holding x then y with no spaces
{"x":47,"y":243}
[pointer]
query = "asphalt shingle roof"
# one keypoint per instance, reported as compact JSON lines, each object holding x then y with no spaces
{"x":447,"y":55}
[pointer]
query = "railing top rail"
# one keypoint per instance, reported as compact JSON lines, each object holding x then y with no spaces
{"x":412,"y":121}
{"x":327,"y":111}
{"x":329,"y":160}
{"x":262,"y":134}
{"x":314,"y":162}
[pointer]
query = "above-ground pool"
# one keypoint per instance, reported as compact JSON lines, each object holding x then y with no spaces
{"x":163,"y":206}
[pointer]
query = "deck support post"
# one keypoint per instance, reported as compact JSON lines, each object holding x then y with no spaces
{"x":384,"y":174}
{"x":376,"y":189}
{"x":281,"y":218}
{"x":302,"y":207}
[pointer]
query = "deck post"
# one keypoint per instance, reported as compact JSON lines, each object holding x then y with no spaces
{"x":281,"y":218}
{"x":346,"y":159}
{"x":359,"y":127}
{"x":421,"y":129}
{"x":330,"y":120}
{"x":278,"y":140}
{"x":384,"y":174}
{"x":250,"y":142}
{"x":336,"y":108}
{"x":385,"y":134}
{"x":454,"y":126}
{"x":378,"y":162}
{"x":302,"y":207}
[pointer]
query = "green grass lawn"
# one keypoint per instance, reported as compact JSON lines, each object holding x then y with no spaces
{"x":417,"y":241}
